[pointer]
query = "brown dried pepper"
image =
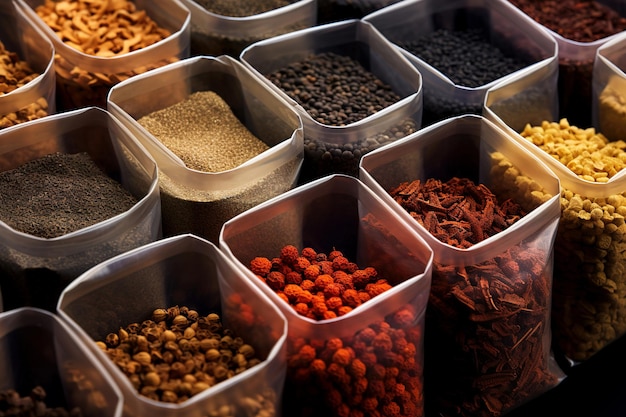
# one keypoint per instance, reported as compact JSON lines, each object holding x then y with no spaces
{"x":485,"y":322}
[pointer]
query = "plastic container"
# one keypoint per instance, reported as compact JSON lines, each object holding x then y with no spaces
{"x":609,"y":89}
{"x":488,"y":335}
{"x":34,"y":270}
{"x":215,"y":34}
{"x":184,"y":271}
{"x":330,"y":148}
{"x":200,"y":202}
{"x":85,"y":79}
{"x":505,"y":28}
{"x":37,"y":98}
{"x":336,"y":10}
{"x":576,"y":60}
{"x":339,"y":212}
{"x":37,"y":349}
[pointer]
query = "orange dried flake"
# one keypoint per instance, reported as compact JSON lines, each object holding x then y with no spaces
{"x":289,"y":254}
{"x":261,"y":266}
{"x":333,"y":303}
{"x":343,"y":310}
{"x":293,"y":277}
{"x":322,"y":281}
{"x":330,"y":280}
{"x":276,"y":280}
{"x":309,"y":253}
{"x":312,"y":272}
{"x":342,"y":357}
{"x":301,"y":263}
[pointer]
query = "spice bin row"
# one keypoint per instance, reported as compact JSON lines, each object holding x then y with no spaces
{"x":359,"y":179}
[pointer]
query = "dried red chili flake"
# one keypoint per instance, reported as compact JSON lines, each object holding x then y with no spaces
{"x":338,"y":284}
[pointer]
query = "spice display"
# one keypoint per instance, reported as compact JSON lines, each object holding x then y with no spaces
{"x":587,"y":153}
{"x":324,"y":158}
{"x":467,"y":58}
{"x":241,"y":8}
{"x":99,"y":28}
{"x":178,"y":353}
{"x":204,"y":133}
{"x":334,"y":89}
{"x":486,"y":322}
{"x":337,"y":90}
{"x":589,"y":289}
{"x":59,"y":194}
{"x":579,"y":21}
{"x":612,"y":109}
{"x":317,"y":285}
{"x":376,"y":371}
{"x":12,"y":403}
{"x":16,"y":73}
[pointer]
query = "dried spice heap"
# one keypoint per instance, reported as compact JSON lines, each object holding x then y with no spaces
{"x":317,"y":285}
{"x":178,"y":353}
{"x":456,"y":212}
{"x":33,"y":404}
{"x":485,"y":322}
{"x":589,"y":300}
{"x":16,"y":73}
{"x":375,"y":371}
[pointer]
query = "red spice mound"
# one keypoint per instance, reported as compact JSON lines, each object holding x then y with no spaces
{"x":317,"y":285}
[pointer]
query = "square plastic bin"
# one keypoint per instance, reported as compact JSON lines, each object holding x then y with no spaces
{"x":196,"y":200}
{"x":43,"y":246}
{"x":31,"y":94}
{"x":609,"y":89}
{"x":95,"y":49}
{"x":462,"y":48}
{"x":219,"y":34}
{"x":135,"y":302}
{"x":577,"y":46}
{"x":336,"y":349}
{"x":354,"y":91}
{"x":41,"y":360}
{"x":489,"y":210}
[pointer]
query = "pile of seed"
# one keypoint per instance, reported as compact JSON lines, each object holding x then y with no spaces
{"x":204,"y":133}
{"x":58,"y":194}
{"x":334,"y":89}
{"x":465,"y":56}
{"x":241,"y":8}
{"x":178,"y":353}
{"x":324,"y":158}
{"x":33,"y":404}
{"x":317,"y":285}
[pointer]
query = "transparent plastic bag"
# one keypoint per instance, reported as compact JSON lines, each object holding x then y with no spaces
{"x":609,"y":89}
{"x":182,"y":271}
{"x":488,"y":321}
{"x":502,"y":26}
{"x":339,"y":213}
{"x":36,"y":269}
{"x":200,"y":202}
{"x":38,"y":350}
{"x":37,"y":98}
{"x":214,"y":34}
{"x":337,"y":147}
{"x":576,"y":58}
{"x":85,"y":79}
